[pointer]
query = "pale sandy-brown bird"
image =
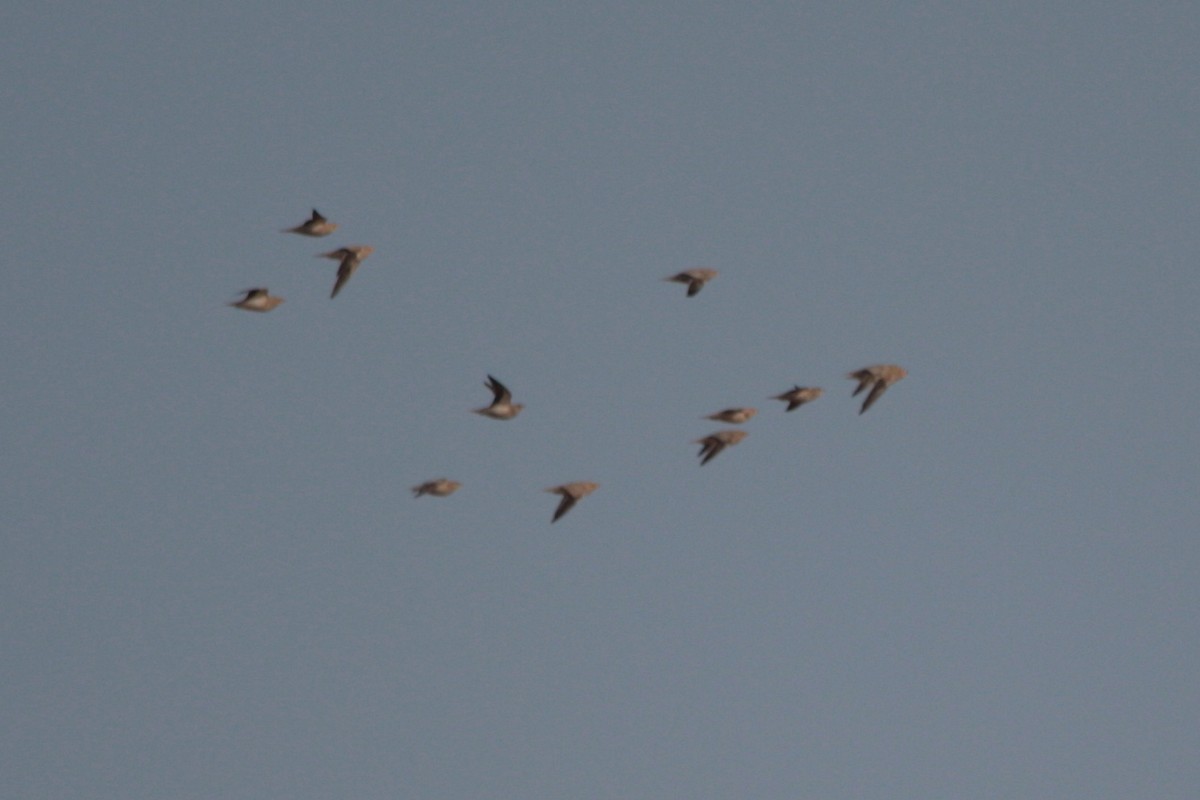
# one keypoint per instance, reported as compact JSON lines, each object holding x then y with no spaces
{"x":350,"y":258}
{"x":798,"y":396}
{"x":258,"y":299}
{"x":735,"y":416}
{"x":716,"y":442}
{"x":879,"y":377}
{"x":694,"y":278}
{"x":438,"y":487}
{"x":316,"y":225}
{"x":571,"y":493}
{"x":502,"y":406}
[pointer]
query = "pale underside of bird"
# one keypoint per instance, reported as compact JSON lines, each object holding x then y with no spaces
{"x":879,"y":377}
{"x":438,"y":487}
{"x":714,"y":443}
{"x":257,"y":299}
{"x":571,"y":494}
{"x":316,"y":225}
{"x":694,"y":278}
{"x":349,"y":259}
{"x":734,"y":416}
{"x":502,"y":406}
{"x":798,"y":396}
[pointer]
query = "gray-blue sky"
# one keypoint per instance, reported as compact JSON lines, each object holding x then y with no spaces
{"x":216,"y":582}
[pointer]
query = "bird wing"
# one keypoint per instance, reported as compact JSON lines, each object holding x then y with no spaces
{"x":501,"y":392}
{"x":564,"y":506}
{"x":864,"y":379}
{"x":876,"y":392}
{"x":345,"y":270}
{"x":709,"y":451}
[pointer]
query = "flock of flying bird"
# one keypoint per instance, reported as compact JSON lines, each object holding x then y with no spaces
{"x":877,"y":377}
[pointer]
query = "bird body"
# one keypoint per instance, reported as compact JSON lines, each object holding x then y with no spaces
{"x":571,"y":494}
{"x":258,"y":299}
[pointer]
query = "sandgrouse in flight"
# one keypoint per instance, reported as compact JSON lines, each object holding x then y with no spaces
{"x":879,"y":377}
{"x":694,"y":278}
{"x":714,"y":443}
{"x":349,"y":259}
{"x":438,"y":487}
{"x":259,"y":299}
{"x":571,"y":493}
{"x":316,"y":225}
{"x":502,"y":406}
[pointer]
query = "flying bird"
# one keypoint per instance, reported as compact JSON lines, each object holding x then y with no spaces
{"x":694,"y":278}
{"x":798,"y":396}
{"x":350,"y":258}
{"x":879,"y":377}
{"x":735,"y":416}
{"x":716,"y":442}
{"x":502,"y":406}
{"x":571,"y":493}
{"x":314,"y":226}
{"x":439,"y":487}
{"x":258,"y":299}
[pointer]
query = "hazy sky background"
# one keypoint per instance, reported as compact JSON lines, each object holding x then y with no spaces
{"x":216,"y":583}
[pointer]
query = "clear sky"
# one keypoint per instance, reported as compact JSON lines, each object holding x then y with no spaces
{"x":216,"y":583}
